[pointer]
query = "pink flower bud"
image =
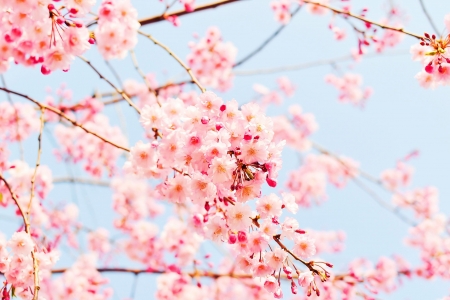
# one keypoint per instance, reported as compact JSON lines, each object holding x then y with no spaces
{"x":73,"y":11}
{"x":223,"y":107}
{"x":429,"y":69}
{"x":300,"y":231}
{"x":45,"y":70}
{"x":50,"y":7}
{"x":293,"y":288}
{"x":60,"y":20}
{"x":207,"y":207}
{"x":91,"y":41}
{"x":16,"y":32}
{"x":247,"y":136}
{"x":219,"y":126}
{"x":242,"y":237}
{"x":232,"y":238}
{"x":205,"y":120}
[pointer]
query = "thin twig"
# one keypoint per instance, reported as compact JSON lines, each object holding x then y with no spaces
{"x":64,"y":116}
{"x":312,"y":64}
{"x":167,"y":49}
{"x":425,"y":11}
{"x":38,"y":161}
{"x":382,"y":203}
{"x":350,"y":14}
{"x":365,"y":188}
{"x":87,"y":181}
{"x":124,"y":95}
{"x":267,"y":41}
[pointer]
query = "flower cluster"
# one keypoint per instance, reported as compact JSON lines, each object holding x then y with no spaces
{"x":116,"y":33}
{"x":95,"y":153}
{"x":434,"y":54}
{"x":37,"y":32}
{"x":17,"y":121}
{"x":212,"y":60}
{"x":219,"y":156}
{"x":17,"y":264}
{"x":349,"y":87}
{"x":295,"y":131}
{"x":308,"y":183}
{"x":81,"y":281}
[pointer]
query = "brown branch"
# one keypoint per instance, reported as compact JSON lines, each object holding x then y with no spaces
{"x":183,"y":12}
{"x":267,"y":41}
{"x":64,"y":116}
{"x":124,"y":95}
{"x":350,"y":14}
{"x":178,"y":13}
{"x":26,"y":223}
{"x":167,"y":49}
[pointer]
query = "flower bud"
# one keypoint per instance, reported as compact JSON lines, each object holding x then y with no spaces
{"x":205,"y":120}
{"x":242,"y":237}
{"x":232,"y":239}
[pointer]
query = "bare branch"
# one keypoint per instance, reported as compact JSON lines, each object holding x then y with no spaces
{"x":350,"y":14}
{"x":124,"y":95}
{"x":167,"y":49}
{"x":183,"y":12}
{"x":38,"y":161}
{"x":87,"y":181}
{"x":425,"y":11}
{"x":267,"y":41}
{"x":316,"y":63}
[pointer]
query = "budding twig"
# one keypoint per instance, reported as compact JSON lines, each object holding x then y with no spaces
{"x":124,"y":95}
{"x":350,"y":14}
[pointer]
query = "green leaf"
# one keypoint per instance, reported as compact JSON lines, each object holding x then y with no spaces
{"x":13,"y":291}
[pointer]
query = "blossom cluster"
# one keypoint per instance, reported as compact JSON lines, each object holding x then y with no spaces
{"x":117,"y":28}
{"x":95,"y":154}
{"x":220,"y":156}
{"x":349,"y":87}
{"x":433,"y":53}
{"x":211,"y":59}
{"x":308,"y":183}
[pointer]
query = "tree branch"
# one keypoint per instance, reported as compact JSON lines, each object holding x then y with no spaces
{"x":267,"y":41}
{"x":167,"y":49}
{"x":82,"y":181}
{"x":26,"y":224}
{"x":425,"y":11}
{"x":64,"y":116}
{"x":350,"y":14}
{"x":124,"y":95}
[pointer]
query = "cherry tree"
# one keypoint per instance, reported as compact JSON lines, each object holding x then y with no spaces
{"x":186,"y":179}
